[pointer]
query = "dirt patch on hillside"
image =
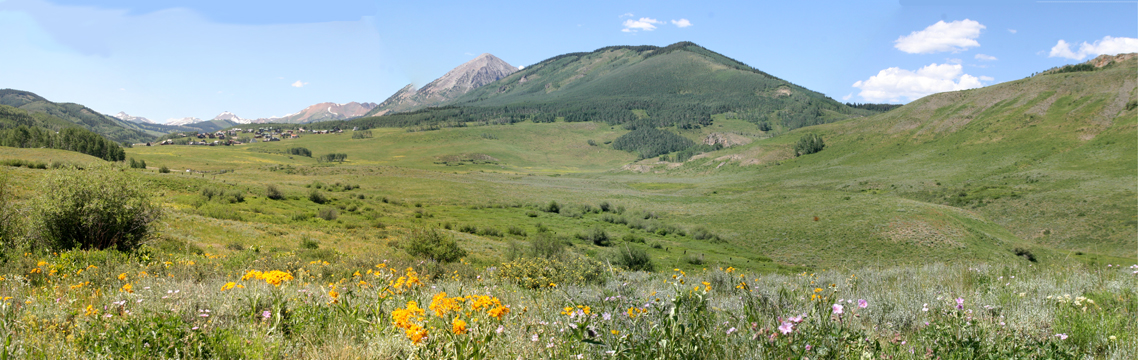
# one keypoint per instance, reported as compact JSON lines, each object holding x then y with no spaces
{"x":726,"y":139}
{"x":917,"y":232}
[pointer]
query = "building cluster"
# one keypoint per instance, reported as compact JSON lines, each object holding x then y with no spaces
{"x":232,"y":136}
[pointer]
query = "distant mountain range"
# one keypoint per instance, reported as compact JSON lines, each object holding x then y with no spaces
{"x":135,"y":119}
{"x":473,"y":74}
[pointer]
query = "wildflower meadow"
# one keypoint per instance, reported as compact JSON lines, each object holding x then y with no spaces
{"x":107,"y":304}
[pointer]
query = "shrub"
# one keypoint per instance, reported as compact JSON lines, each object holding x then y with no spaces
{"x":164,"y":169}
{"x":702,"y":233}
{"x":489,"y":231}
{"x":597,"y":236}
{"x":434,"y":245}
{"x":137,"y":164}
{"x":552,"y":207}
{"x":634,"y":259}
{"x":632,"y":238}
{"x":299,"y":151}
{"x":537,"y":273}
{"x":272,"y":192}
{"x":605,"y":206}
{"x":329,"y":214}
{"x":470,"y":229}
{"x":514,"y":230}
{"x":99,"y":208}
{"x":234,"y":196}
{"x":693,"y":259}
{"x":309,"y":244}
{"x":317,"y":197}
{"x":1025,"y":253}
{"x":809,"y":144}
{"x":546,"y":245}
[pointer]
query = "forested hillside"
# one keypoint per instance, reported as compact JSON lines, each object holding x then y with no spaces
{"x":680,"y":85}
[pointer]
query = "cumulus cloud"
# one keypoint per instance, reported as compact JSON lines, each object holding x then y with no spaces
{"x":683,"y":23}
{"x":646,"y":24}
{"x":298,"y":83}
{"x":983,"y":57}
{"x":894,"y":84}
{"x":1108,"y":46}
{"x":626,"y":15}
{"x":940,"y":37}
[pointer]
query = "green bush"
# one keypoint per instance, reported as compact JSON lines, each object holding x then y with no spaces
{"x":317,"y":197}
{"x":434,"y":245}
{"x":514,"y":230}
{"x":546,"y":245}
{"x":299,"y":151}
{"x":272,"y":192}
{"x":98,"y":208}
{"x":552,"y":207}
{"x":634,"y":259}
{"x":809,"y":144}
{"x":164,"y":169}
{"x":597,"y":236}
{"x":309,"y":244}
{"x":329,"y":214}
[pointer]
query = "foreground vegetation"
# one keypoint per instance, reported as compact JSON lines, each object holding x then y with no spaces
{"x":167,"y":302}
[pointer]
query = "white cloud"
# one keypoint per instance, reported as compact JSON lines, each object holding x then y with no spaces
{"x":1108,"y":46}
{"x":940,"y":37}
{"x":847,"y":97}
{"x":298,"y":83}
{"x":894,"y":83}
{"x":682,"y":23}
{"x":1013,"y":31}
{"x":626,"y":15}
{"x":646,"y":24}
{"x":986,"y":78}
{"x":983,"y":57}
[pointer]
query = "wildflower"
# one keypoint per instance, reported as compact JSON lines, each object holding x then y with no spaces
{"x":498,"y":312}
{"x":861,"y":303}
{"x":534,"y":338}
{"x":797,"y":319}
{"x":960,"y":303}
{"x":228,"y":286}
{"x":91,"y":311}
{"x":731,"y":330}
{"x":615,"y":332}
{"x":266,"y":314}
{"x":606,"y":316}
{"x":925,"y":307}
{"x":333,"y":294}
{"x":127,"y":288}
{"x":787,"y":327}
{"x":416,"y":333}
{"x":122,"y":277}
{"x":1112,"y":338}
{"x":837,"y":309}
{"x":458,"y":326}
{"x":1061,"y":336}
{"x":500,"y":329}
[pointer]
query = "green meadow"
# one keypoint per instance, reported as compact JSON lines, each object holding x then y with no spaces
{"x":998,"y":222}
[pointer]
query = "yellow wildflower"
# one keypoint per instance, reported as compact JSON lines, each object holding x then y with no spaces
{"x":122,"y":277}
{"x":458,"y":327}
{"x":127,"y":288}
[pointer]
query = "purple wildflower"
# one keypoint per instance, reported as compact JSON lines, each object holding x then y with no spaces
{"x":861,"y":303}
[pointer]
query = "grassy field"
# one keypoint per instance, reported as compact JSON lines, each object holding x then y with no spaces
{"x":1018,"y":199}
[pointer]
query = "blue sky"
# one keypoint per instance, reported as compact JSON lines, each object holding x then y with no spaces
{"x":166,"y":59}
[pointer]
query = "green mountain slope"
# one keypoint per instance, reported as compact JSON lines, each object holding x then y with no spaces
{"x":1050,"y":160}
{"x":56,"y":116}
{"x":679,"y":85}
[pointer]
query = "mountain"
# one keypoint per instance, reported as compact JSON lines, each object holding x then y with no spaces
{"x":183,"y":121}
{"x":483,"y":70}
{"x":323,"y":112}
{"x":135,"y":119}
{"x":680,"y":85}
{"x":56,"y":116}
{"x":231,"y":117}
